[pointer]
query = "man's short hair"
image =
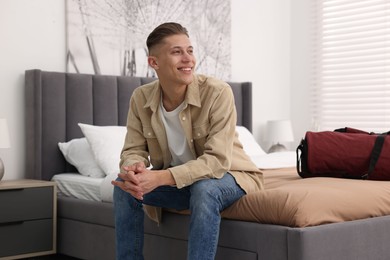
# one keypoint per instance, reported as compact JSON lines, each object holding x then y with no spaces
{"x":162,"y":31}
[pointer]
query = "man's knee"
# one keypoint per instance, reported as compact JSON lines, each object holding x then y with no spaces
{"x":204,"y":195}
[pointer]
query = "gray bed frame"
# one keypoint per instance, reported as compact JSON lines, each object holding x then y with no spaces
{"x":57,"y":101}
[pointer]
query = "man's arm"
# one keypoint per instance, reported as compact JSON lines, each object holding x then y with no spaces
{"x":135,"y":147}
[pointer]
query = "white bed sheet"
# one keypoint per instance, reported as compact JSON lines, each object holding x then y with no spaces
{"x":101,"y":189}
{"x":78,"y":186}
{"x":107,"y":188}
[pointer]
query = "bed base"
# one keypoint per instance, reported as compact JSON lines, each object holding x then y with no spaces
{"x":86,"y":237}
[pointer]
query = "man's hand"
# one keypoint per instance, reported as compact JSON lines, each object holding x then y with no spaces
{"x":137,"y":180}
{"x":137,"y":167}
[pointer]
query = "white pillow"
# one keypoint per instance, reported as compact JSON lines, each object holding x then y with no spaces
{"x":248,"y":141}
{"x":106,"y":144}
{"x":78,"y":153}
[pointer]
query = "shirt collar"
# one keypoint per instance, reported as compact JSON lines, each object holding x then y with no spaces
{"x":192,"y":95}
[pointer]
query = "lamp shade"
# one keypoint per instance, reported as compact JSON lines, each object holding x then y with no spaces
{"x":279,"y":131}
{"x":4,"y":134}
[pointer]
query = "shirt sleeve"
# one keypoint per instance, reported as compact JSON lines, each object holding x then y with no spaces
{"x":135,"y":146}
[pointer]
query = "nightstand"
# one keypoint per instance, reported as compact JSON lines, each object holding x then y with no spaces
{"x":28,"y":218}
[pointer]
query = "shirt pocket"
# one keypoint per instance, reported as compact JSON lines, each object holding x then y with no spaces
{"x":154,"y":148}
{"x":201,"y":131}
{"x":148,"y":132}
{"x":199,"y":135}
{"x":151,"y":140}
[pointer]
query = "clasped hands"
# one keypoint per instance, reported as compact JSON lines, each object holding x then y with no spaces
{"x":137,"y":180}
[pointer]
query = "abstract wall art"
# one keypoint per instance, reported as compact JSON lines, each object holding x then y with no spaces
{"x":108,"y":36}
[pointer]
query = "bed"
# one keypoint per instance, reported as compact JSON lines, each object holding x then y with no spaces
{"x":293,"y":219}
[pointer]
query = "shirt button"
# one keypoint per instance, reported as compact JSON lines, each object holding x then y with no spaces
{"x":183,"y":118}
{"x":198,"y":134}
{"x":149,"y":134}
{"x":192,"y":140}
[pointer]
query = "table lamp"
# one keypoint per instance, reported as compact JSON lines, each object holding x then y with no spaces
{"x":4,"y":141}
{"x":279,"y":131}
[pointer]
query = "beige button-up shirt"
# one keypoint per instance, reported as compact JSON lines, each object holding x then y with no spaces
{"x":208,"y":119}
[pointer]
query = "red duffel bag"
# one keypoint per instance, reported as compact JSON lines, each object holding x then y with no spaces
{"x":344,"y":153}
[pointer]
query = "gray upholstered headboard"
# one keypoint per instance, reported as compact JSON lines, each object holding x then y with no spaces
{"x":57,"y":101}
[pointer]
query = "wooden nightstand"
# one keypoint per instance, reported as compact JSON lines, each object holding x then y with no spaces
{"x":28,"y":218}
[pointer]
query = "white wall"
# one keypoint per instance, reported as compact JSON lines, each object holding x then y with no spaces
{"x":261,"y":54}
{"x":300,"y":68}
{"x":33,"y":36}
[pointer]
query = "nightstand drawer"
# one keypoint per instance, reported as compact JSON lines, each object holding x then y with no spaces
{"x":26,"y":204}
{"x":26,"y":237}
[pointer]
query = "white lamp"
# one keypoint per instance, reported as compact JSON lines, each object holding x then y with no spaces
{"x":4,"y":141}
{"x":279,"y":131}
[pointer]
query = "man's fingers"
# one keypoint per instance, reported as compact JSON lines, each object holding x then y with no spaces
{"x":129,"y":176}
{"x":129,"y":187}
{"x":140,"y":166}
{"x":137,"y":167}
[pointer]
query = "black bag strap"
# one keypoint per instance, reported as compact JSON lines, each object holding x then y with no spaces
{"x":376,"y":152}
{"x":341,"y":130}
{"x":299,"y":156}
{"x":302,"y":159}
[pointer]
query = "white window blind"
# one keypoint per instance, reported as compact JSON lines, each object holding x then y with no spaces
{"x":351,"y":65}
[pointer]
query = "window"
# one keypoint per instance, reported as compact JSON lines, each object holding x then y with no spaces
{"x":351,"y":65}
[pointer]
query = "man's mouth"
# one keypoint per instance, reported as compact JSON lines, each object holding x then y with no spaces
{"x":185,"y":69}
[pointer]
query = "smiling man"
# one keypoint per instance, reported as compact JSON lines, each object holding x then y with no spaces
{"x":183,"y":125}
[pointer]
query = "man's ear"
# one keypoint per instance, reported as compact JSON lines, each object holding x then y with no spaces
{"x":153,"y":62}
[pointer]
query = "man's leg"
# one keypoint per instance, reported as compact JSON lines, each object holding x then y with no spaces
{"x":208,"y":198}
{"x":129,"y":217}
{"x":129,"y":226}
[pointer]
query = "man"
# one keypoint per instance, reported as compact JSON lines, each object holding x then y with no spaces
{"x":185,"y":124}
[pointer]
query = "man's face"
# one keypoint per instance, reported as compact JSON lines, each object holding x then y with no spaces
{"x":174,"y":60}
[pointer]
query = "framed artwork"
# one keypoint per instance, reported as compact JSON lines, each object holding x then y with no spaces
{"x":109,"y":36}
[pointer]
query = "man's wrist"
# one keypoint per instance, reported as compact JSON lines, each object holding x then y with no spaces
{"x":167,"y":178}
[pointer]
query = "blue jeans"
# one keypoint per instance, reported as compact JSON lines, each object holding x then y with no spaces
{"x":205,"y":199}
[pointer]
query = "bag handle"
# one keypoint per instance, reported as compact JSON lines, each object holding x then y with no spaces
{"x":351,"y":130}
{"x":298,"y":153}
{"x":301,"y":152}
{"x":376,"y":152}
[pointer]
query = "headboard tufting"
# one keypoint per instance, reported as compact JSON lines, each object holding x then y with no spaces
{"x":57,"y":101}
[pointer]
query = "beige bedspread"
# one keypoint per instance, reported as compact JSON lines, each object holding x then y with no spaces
{"x":292,"y":201}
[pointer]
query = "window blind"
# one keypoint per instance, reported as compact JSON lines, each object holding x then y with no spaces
{"x":351,"y":65}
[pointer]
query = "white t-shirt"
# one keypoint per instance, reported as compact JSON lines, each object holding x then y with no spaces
{"x":177,"y":141}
